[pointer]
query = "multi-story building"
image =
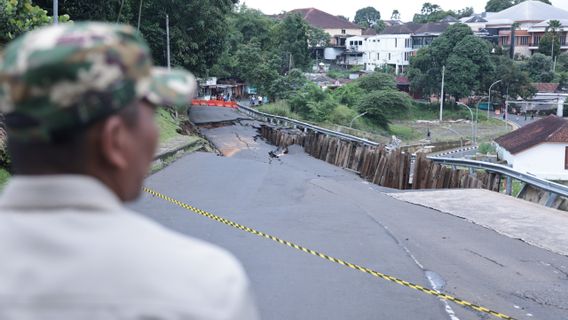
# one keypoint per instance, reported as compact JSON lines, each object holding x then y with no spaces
{"x":393,"y":47}
{"x":531,"y":19}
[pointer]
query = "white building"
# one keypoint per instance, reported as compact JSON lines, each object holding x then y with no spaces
{"x":393,"y":47}
{"x":540,"y":148}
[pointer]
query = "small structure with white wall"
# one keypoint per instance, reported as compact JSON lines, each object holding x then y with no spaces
{"x":539,"y":148}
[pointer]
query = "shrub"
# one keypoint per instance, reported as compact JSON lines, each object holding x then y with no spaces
{"x":341,"y":115}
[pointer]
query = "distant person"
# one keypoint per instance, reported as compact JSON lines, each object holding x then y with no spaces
{"x":428,"y":133}
{"x":259,"y":100}
{"x":79,"y":103}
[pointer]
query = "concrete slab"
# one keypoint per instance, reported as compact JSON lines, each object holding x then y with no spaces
{"x":540,"y":226}
{"x":201,"y":114}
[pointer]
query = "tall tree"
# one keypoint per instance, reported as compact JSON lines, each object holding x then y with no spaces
{"x":17,"y":17}
{"x":196,"y":42}
{"x":465,"y":56}
{"x":367,"y":17}
{"x":395,"y":15}
{"x":430,"y":13}
{"x":291,"y":35}
{"x":550,"y":43}
{"x":539,"y":68}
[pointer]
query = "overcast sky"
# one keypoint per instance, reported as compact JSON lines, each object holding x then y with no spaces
{"x":407,"y":8}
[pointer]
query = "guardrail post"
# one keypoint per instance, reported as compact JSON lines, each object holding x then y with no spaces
{"x":551,"y":199}
{"x":509,"y":186}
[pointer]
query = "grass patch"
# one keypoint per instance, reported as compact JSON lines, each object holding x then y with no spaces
{"x":279,"y":108}
{"x":403,"y":132}
{"x":167,"y":124}
{"x":4,"y":176}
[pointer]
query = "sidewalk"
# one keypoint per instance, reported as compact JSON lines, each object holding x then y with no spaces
{"x":537,"y":225}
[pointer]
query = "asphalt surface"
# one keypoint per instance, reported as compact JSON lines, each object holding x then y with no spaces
{"x":333,"y":211}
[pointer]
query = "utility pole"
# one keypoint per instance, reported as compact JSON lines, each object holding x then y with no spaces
{"x":55,"y":12}
{"x":442,"y":93}
{"x":168,"y":41}
{"x":489,"y":103}
{"x":139,"y":14}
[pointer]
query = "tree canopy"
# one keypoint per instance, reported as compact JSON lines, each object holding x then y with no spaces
{"x":434,"y":13}
{"x":466,"y":58}
{"x":367,"y":17}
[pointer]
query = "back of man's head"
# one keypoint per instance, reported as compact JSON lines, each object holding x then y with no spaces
{"x":79,"y":98}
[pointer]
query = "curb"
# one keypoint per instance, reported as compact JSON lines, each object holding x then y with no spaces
{"x":168,"y":153}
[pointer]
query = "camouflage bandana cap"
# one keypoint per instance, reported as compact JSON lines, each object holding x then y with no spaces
{"x":65,"y":77}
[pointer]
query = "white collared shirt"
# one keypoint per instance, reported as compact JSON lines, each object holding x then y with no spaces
{"x":70,"y":250}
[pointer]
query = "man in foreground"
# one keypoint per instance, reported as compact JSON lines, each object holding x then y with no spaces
{"x":79,"y":105}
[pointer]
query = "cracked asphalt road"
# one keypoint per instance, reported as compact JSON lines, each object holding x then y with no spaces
{"x":333,"y":211}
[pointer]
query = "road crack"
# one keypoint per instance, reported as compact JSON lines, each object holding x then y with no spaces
{"x":486,"y":258}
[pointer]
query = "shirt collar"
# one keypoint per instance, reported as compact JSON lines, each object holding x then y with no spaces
{"x":58,"y":191}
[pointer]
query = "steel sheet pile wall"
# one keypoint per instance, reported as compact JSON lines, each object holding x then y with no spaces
{"x":392,"y":169}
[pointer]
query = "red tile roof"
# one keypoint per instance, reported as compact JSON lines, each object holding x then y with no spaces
{"x":545,"y":87}
{"x":549,"y":129}
{"x":324,"y":20}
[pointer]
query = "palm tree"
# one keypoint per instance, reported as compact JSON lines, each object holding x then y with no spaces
{"x":514,"y":27}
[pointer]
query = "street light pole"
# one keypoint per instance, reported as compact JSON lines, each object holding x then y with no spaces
{"x":442,"y":93}
{"x":55,"y":12}
{"x":472,"y":130}
{"x":358,"y":116}
{"x":489,"y":103}
{"x":477,"y":117}
{"x":168,"y":41}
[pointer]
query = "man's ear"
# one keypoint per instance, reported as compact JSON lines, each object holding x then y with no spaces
{"x":113,"y":142}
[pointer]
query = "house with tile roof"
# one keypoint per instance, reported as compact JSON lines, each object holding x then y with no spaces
{"x":539,"y":148}
{"x":338,"y":28}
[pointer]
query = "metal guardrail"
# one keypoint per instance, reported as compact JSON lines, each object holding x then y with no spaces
{"x":553,"y":188}
{"x":302,"y":125}
{"x":549,"y":186}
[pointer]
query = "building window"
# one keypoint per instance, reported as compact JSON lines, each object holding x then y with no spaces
{"x":504,"y":40}
{"x":342,"y":31}
{"x":523,"y":40}
{"x":350,"y":43}
{"x":395,"y":42}
{"x":389,"y":56}
{"x":536,"y":41}
{"x":407,"y":56}
{"x":407,"y":43}
{"x":360,"y":43}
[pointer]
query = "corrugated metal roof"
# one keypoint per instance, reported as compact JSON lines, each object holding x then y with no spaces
{"x":530,"y":10}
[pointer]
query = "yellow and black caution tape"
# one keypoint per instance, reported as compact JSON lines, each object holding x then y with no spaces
{"x":332,"y":259}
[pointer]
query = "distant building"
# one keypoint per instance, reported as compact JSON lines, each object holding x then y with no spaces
{"x":539,"y":148}
{"x":532,"y":18}
{"x":392,"y":47}
{"x":338,"y":28}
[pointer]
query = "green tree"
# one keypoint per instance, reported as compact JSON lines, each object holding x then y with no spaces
{"x":468,"y":66}
{"x":395,"y":15}
{"x":376,"y":81}
{"x":539,"y":68}
{"x":562,"y":62}
{"x":515,"y":81}
{"x":550,"y":43}
{"x":317,"y":37}
{"x":349,"y":94}
{"x":383,"y":105}
{"x":466,"y":57}
{"x":367,"y":17}
{"x":291,"y":35}
{"x":99,"y":10}
{"x":430,"y":13}
{"x":498,"y":5}
{"x":17,"y":17}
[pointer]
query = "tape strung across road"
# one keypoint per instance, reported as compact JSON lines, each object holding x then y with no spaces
{"x":332,"y":259}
